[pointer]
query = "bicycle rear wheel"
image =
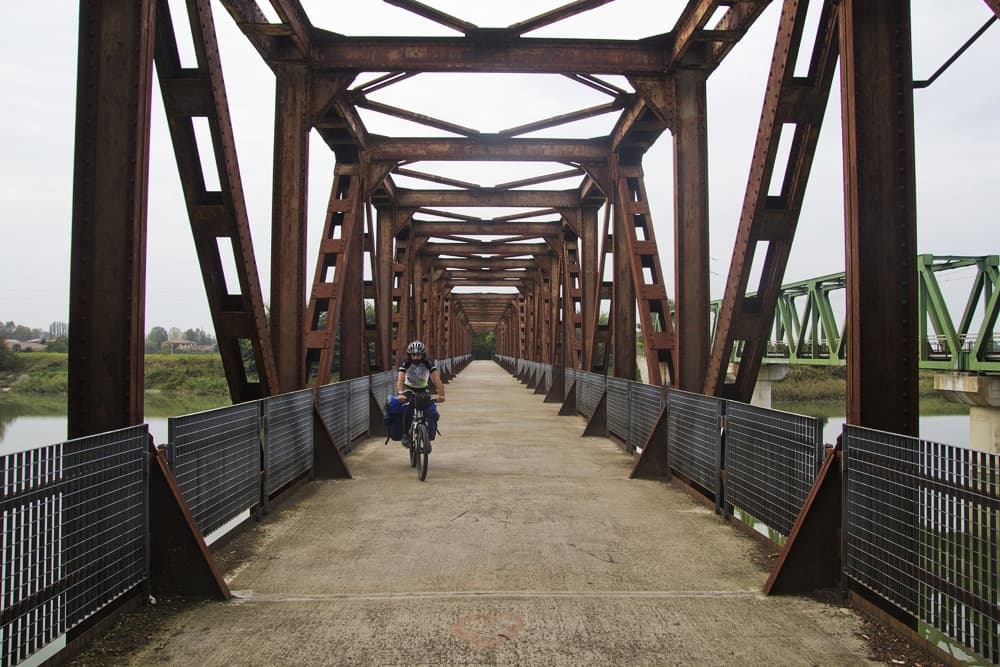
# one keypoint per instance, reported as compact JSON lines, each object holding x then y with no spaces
{"x":422,"y":449}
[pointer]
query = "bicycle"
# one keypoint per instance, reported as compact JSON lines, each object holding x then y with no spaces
{"x":418,"y":437}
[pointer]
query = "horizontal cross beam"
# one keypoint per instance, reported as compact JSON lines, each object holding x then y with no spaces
{"x":459,"y":54}
{"x":488,"y":197}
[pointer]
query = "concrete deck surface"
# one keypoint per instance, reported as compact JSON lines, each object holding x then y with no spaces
{"x":527,"y":545}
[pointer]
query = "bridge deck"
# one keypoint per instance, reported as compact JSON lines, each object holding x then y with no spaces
{"x":526,"y":545}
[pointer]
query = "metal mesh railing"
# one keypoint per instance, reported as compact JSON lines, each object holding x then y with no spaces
{"x":694,"y":432}
{"x":772,"y":459}
{"x":383,"y":385}
{"x":360,"y":388}
{"x":104,"y":519}
{"x":589,"y":389}
{"x":74,"y":525}
{"x":646,"y":403}
{"x":332,"y":400}
{"x":215,"y":457}
{"x":570,"y":382}
{"x":921,"y":522}
{"x":33,"y":606}
{"x":288,"y":438}
{"x":619,"y":408}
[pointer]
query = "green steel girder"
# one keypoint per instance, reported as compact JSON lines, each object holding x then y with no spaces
{"x":808,"y":329}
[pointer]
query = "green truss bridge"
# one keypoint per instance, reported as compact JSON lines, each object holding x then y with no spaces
{"x":809,"y":321}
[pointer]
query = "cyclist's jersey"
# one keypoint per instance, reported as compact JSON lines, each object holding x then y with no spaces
{"x":418,"y":373}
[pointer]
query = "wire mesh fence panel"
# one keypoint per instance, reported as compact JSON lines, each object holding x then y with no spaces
{"x":215,"y":457}
{"x":570,"y":385}
{"x":359,"y":388}
{"x":288,"y":438}
{"x":921,"y":531}
{"x":772,"y":459}
{"x":694,"y":437}
{"x":104,"y":519}
{"x":619,"y":408}
{"x":31,"y":598}
{"x":333,"y":402}
{"x":645,"y":404}
{"x":383,"y":386}
{"x":589,"y":389}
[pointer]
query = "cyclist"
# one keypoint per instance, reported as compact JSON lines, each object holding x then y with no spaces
{"x":415,"y":373}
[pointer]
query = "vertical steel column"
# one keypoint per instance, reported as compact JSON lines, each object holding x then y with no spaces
{"x":624,"y":288}
{"x":353,"y":342}
{"x":691,"y":238}
{"x":288,"y":224}
{"x":384,"y":316}
{"x":589,"y":284}
{"x":880,"y":212}
{"x":402,"y":295}
{"x":111,"y":177}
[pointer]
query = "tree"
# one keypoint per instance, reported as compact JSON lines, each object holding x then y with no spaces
{"x":9,"y":361}
{"x":154,"y":341}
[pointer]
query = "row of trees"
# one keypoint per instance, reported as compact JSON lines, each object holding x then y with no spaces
{"x":14,"y":331}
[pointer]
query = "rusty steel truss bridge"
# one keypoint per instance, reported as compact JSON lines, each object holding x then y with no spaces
{"x":410,"y":254}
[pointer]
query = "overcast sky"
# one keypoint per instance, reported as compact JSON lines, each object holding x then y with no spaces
{"x":957,"y":142}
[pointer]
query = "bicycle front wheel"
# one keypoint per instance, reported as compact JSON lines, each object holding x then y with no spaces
{"x":422,"y":449}
{"x":413,"y":448}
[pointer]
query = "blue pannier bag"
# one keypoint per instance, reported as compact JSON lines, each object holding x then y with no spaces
{"x":392,"y":416}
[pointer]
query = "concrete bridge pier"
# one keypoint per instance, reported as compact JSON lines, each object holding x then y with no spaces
{"x":982,"y":394}
{"x":768,"y":374}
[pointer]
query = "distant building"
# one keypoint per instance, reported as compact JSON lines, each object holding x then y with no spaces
{"x":37,"y":345}
{"x":185,"y":345}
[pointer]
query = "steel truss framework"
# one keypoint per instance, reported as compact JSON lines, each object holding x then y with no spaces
{"x":410,"y":256}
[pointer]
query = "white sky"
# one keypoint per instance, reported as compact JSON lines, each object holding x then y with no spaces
{"x":957,"y":143}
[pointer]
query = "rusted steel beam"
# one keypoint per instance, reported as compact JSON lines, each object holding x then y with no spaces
{"x":622,"y":315}
{"x":288,"y":225}
{"x":436,"y":15}
{"x":383,"y":273}
{"x":544,"y":178}
{"x":215,"y":217}
{"x":689,"y":31}
{"x":768,"y":224}
{"x":691,"y":222}
{"x":880,"y":211}
{"x":994,"y":5}
{"x":488,"y":148}
{"x":434,"y":178}
{"x":419,"y":118}
{"x":342,"y":230}
{"x":590,"y":279}
{"x":487,"y":197}
{"x":487,"y":248}
{"x":294,"y":16}
{"x":459,"y":54}
{"x":108,"y":251}
{"x":484,"y":263}
{"x":563,"y":119}
{"x":554,"y":16}
{"x":253,"y":23}
{"x":649,"y":288}
{"x":532,"y":229}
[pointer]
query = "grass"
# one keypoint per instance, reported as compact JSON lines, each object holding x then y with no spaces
{"x":824,"y":389}
{"x":174,"y":384}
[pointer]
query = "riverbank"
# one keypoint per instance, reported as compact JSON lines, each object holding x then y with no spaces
{"x":183,"y":383}
{"x":174,"y":384}
{"x":824,"y":390}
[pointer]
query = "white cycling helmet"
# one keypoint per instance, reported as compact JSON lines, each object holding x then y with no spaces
{"x":416,"y":347}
